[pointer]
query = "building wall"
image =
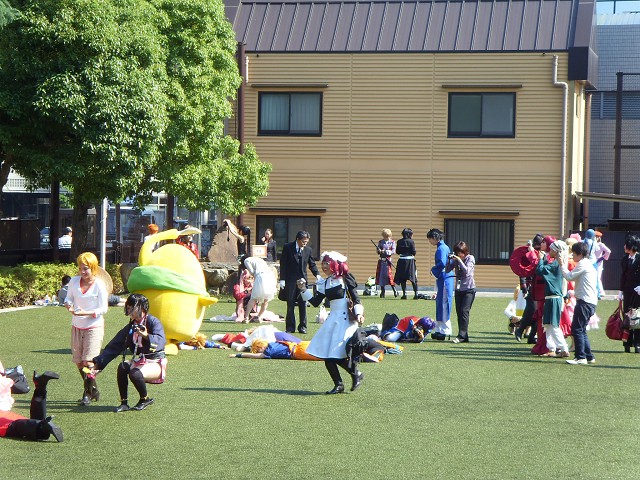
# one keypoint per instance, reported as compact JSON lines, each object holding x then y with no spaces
{"x":614,"y":31}
{"x":384,"y":159}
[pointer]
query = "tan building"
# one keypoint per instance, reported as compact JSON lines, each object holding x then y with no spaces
{"x":465,"y":116}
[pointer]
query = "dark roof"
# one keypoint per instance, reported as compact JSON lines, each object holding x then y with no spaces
{"x":350,"y":26}
{"x":411,"y":25}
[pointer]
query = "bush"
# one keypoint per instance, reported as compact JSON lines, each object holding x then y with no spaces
{"x":24,"y":284}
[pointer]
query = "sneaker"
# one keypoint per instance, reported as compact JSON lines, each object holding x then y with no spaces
{"x":592,"y":361}
{"x":517,"y":336}
{"x":578,"y":361}
{"x":143,"y":403}
{"x":122,"y":408}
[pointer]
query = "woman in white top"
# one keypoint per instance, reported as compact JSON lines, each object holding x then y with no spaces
{"x":87,"y":300}
{"x":264,"y":286}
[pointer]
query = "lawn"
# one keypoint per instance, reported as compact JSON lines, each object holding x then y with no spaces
{"x":483,"y":410}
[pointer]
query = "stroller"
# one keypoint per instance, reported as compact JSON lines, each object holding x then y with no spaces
{"x":370,"y":288}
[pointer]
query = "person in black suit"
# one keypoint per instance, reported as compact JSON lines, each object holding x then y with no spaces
{"x":629,"y":281}
{"x":295,"y":258}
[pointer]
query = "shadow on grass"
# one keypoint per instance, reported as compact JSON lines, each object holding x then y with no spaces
{"x":59,"y":351}
{"x":256,"y":390}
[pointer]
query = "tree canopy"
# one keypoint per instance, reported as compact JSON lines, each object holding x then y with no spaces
{"x":122,"y":98}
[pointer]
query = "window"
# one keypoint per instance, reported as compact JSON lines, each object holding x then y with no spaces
{"x":482,"y":114}
{"x":285,"y":229}
{"x":489,"y":241}
{"x":290,"y":113}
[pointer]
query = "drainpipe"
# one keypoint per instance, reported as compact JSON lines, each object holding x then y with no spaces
{"x":563,"y":171}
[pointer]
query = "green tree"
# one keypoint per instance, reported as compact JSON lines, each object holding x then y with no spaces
{"x":120,"y":98}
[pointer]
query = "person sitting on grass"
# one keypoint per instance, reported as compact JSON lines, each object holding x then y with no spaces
{"x":145,"y":337}
{"x":39,"y":426}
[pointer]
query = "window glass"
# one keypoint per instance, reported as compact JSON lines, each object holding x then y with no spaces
{"x":285,"y":229}
{"x":497,"y":114}
{"x":490,"y":241}
{"x":465,"y":115}
{"x":274,"y":112}
{"x":290,"y":113}
{"x":481,"y":115}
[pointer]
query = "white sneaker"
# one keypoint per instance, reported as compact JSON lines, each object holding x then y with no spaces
{"x":592,"y":361}
{"x":577,"y":361}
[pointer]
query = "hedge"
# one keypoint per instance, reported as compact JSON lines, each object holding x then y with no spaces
{"x":24,"y":284}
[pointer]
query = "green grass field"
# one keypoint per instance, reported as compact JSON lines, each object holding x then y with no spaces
{"x":483,"y":410}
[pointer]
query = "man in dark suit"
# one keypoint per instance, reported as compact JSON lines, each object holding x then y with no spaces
{"x":295,"y":258}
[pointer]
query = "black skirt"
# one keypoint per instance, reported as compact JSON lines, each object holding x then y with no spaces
{"x":405,"y":270}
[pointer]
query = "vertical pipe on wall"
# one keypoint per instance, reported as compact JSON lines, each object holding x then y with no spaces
{"x":242,"y":69}
{"x":563,"y":155}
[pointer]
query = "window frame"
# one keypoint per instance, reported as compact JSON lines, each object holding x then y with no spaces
{"x":469,"y":134}
{"x":289,"y":133}
{"x":475,"y":245}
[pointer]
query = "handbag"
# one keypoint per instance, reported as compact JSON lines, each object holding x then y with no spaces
{"x":613,"y":329}
{"x":632,"y":319}
{"x":20,"y":383}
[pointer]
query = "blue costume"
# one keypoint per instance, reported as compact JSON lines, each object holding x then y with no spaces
{"x":445,"y":282}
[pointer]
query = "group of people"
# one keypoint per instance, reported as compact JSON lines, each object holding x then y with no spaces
{"x":562,"y":283}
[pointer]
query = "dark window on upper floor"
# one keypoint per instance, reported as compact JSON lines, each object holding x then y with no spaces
{"x":482,"y":115}
{"x":289,"y":113}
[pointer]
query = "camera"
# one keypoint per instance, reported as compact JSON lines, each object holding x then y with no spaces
{"x":136,"y":327}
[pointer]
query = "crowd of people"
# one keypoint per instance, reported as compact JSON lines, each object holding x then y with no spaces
{"x":559,"y":287}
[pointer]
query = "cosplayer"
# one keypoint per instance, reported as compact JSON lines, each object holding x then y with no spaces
{"x":264,"y":286}
{"x":551,"y":272}
{"x":87,"y":300}
{"x":407,"y":329}
{"x":406,"y":266}
{"x":278,"y":350}
{"x":523,"y":262}
{"x":144,"y":337}
{"x":385,"y":248}
{"x":445,"y":283}
{"x":330,"y":342}
{"x":39,"y":426}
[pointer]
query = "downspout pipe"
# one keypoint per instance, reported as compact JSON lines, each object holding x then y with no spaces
{"x":563,"y":155}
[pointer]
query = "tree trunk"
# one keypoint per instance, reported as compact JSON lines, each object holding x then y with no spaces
{"x":80,"y":229}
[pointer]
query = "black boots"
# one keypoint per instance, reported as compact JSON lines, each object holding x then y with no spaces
{"x":356,"y":378}
{"x":339,"y":388}
{"x":50,"y":428}
{"x":40,"y":381}
{"x":91,"y":392}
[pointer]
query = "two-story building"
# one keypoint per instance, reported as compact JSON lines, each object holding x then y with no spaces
{"x":468,"y":116}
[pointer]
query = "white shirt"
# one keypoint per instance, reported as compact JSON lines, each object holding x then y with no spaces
{"x":586,"y":280}
{"x":95,"y":299}
{"x":64,"y":241}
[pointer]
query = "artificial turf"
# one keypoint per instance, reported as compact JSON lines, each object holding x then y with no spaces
{"x":483,"y":410}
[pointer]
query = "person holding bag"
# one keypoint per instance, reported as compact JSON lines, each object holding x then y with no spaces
{"x":629,"y":289}
{"x":330,"y":342}
{"x":145,"y":337}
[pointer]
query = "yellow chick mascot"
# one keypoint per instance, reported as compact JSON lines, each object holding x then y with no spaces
{"x":172,"y":279}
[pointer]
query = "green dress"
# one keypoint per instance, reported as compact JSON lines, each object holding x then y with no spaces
{"x":553,"y":280}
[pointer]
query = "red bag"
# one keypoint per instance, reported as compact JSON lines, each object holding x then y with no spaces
{"x":614,"y":324}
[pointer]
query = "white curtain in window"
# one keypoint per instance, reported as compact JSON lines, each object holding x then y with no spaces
{"x":274,"y":112}
{"x":305,"y":113}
